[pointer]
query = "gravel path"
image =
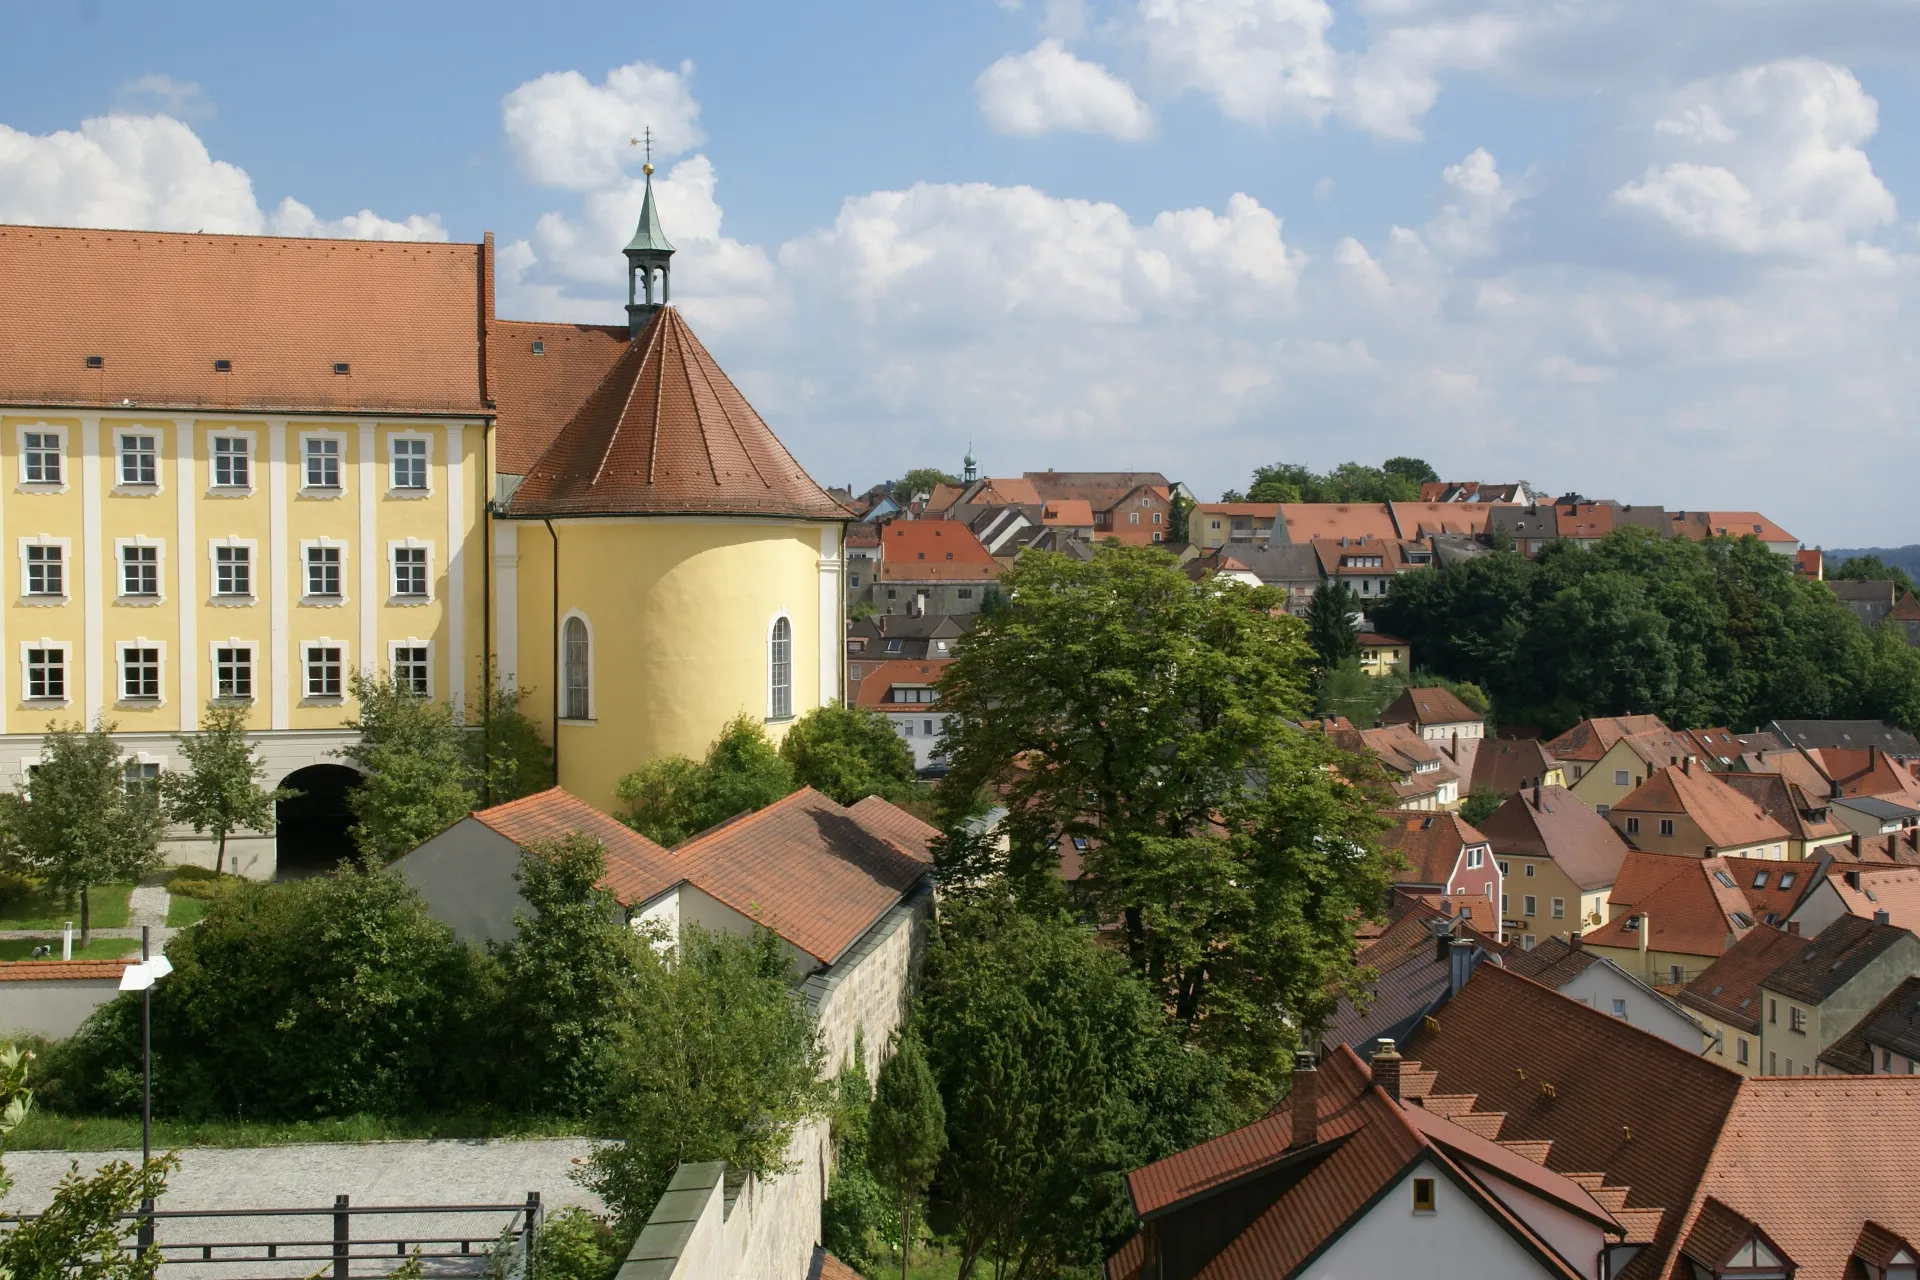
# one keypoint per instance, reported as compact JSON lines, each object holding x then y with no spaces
{"x":147,"y":905}
{"x":310,"y":1176}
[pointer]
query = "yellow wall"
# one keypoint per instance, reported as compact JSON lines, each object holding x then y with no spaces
{"x":1723,"y":1041}
{"x":679,"y":612}
{"x":1546,"y":883}
{"x":1653,"y":967}
{"x":1596,"y":785}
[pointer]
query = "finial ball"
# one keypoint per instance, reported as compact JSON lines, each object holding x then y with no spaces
{"x":647,"y":169}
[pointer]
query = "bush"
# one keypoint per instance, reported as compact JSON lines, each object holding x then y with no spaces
{"x":673,"y":797}
{"x":575,"y":1245}
{"x":199,"y":882}
{"x":848,"y":753}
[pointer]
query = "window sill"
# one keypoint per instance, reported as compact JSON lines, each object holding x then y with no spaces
{"x":233,"y":700}
{"x":322,"y":602}
{"x":409,"y":495}
{"x":44,"y":704}
{"x":231,"y":602}
{"x":408,"y":602}
{"x":321,"y":492}
{"x":139,"y":704}
{"x":40,"y":486}
{"x":43,"y":602}
{"x":576,"y":720}
{"x":230,"y":491}
{"x":139,"y":602}
{"x":323,"y":700}
{"x":787,"y":719}
{"x":126,"y":490}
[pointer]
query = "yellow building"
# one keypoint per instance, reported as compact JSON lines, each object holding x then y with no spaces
{"x":1384,"y":655}
{"x":245,"y":467}
{"x":1627,"y":763}
{"x":1684,"y":810}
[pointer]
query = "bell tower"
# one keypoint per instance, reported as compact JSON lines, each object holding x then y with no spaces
{"x":649,"y":255}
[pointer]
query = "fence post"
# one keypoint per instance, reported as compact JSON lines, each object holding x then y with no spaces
{"x":341,"y":1235}
{"x":531,"y":1235}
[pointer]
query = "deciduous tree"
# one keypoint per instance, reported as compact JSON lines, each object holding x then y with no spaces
{"x":1330,"y":626}
{"x":414,"y":761}
{"x":219,"y":792}
{"x":848,"y":753}
{"x":672,"y":797}
{"x":908,"y":1131}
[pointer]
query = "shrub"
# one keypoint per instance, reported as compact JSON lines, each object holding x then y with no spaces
{"x":575,"y":1245}
{"x":848,"y":753}
{"x":673,"y":797}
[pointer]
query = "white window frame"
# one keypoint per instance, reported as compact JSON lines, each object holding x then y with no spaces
{"x":218,"y":490}
{"x":560,"y":666}
{"x":393,"y":564}
{"x":139,"y":488}
{"x":395,"y":491}
{"x":66,"y":570}
{"x":253,"y":671}
{"x":320,"y":492}
{"x":120,"y":648}
{"x":120,"y":548}
{"x":308,"y":600}
{"x":40,"y":429}
{"x":66,"y":673}
{"x":393,"y":660}
{"x":773,"y":623}
{"x":252,"y":547}
{"x":309,"y":698}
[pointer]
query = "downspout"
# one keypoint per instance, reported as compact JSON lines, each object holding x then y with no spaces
{"x":558,"y":659}
{"x":486,"y":615}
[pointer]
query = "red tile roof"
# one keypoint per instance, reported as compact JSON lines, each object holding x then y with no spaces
{"x":667,"y":433}
{"x":637,"y":868}
{"x":1583,"y":520}
{"x":1590,"y":739}
{"x":536,"y":394}
{"x":68,"y":970}
{"x":878,"y":678}
{"x":1821,"y":966}
{"x":1729,"y":988}
{"x":1728,"y":818}
{"x":890,"y":822}
{"x":1773,"y":889}
{"x":1073,"y":513}
{"x":1335,"y":520}
{"x":909,"y":543}
{"x":159,"y":308}
{"x":1688,"y":909}
{"x":1431,"y":842}
{"x":1007,"y":491}
{"x":805,"y":867}
{"x":1422,"y":519}
{"x":1787,"y":803}
{"x":1562,"y":827}
{"x":1428,"y":706}
{"x":1102,"y":489}
{"x":827,"y":1267}
{"x":1894,"y":890}
{"x":1740,"y":524}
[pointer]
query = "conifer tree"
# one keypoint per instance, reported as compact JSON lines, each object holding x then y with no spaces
{"x":908,"y":1131}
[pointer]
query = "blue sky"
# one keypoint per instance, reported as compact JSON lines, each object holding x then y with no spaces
{"x":1655,"y":251}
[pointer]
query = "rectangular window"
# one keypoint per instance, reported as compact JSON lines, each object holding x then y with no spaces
{"x":47,"y":673}
{"x":1773,"y":1012}
{"x":1666,"y":826}
{"x":1619,"y":1008}
{"x":966,"y":593}
{"x":410,"y":571}
{"x":1474,"y":857}
{"x":139,"y":673}
{"x":926,"y":727}
{"x":1531,"y":904}
{"x":1423,"y":1195}
{"x":233,"y":673}
{"x":1621,"y":777}
{"x":230,"y":463}
{"x":323,"y":671}
{"x":1530,"y":868}
{"x":1559,"y":908}
{"x":1797,"y":1019}
{"x":139,"y":459}
{"x":1633,"y":826}
{"x":410,"y":670}
{"x":323,"y":571}
{"x":1740,"y":1051}
{"x":42,"y":457}
{"x":1676,"y":974}
{"x":1504,"y":870}
{"x":1503,"y":904}
{"x":323,"y":462}
{"x":139,"y":571}
{"x":139,"y":775}
{"x":45,"y":572}
{"x":409,"y":464}
{"x":233,"y":571}
{"x":1529,"y":942}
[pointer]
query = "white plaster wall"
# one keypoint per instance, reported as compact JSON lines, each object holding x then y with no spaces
{"x":919,"y":741}
{"x":1819,"y":909}
{"x":54,"y":1008}
{"x":1574,"y":1238}
{"x":1601,"y":984}
{"x":1457,"y":1241}
{"x":715,"y":916}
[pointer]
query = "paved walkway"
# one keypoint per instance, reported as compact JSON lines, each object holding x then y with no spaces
{"x":147,"y":905}
{"x":310,"y":1176}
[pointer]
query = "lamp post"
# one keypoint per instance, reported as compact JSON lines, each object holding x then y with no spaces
{"x":141,"y":977}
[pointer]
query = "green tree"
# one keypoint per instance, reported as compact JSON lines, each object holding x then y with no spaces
{"x":1480,"y":805}
{"x":414,"y":761}
{"x":716,"y":1059}
{"x":573,"y":1245}
{"x":81,"y":821}
{"x":1180,"y":520}
{"x":1283,"y":482}
{"x":672,"y":797}
{"x":508,"y":758}
{"x":1330,"y":626}
{"x":1414,"y":471}
{"x":563,"y":975}
{"x":908,"y":1131}
{"x":856,"y":1220}
{"x":1871,"y":568}
{"x":1116,"y":701}
{"x":1348,"y":691}
{"x":220,"y":792}
{"x":848,"y":753}
{"x":920,"y":480}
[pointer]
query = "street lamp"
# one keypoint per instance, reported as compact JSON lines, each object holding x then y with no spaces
{"x":141,"y":977}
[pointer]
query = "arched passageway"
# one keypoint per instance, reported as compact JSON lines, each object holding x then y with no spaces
{"x":311,"y":836}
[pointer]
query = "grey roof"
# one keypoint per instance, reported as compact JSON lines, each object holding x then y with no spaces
{"x":1875,"y":807}
{"x":1654,"y":518}
{"x":1833,"y":959}
{"x":1847,"y":733}
{"x":1876,"y":590}
{"x":1893,"y":1024}
{"x":1276,"y":563}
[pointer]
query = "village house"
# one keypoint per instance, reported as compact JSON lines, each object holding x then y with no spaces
{"x":1672,"y":915}
{"x":907,"y":694}
{"x":1581,"y":747}
{"x":932,"y":567}
{"x":1885,"y":1042}
{"x":1680,"y":809}
{"x":1820,"y":992}
{"x":1422,"y":959}
{"x":1135,"y":507}
{"x":1421,"y":776}
{"x":1808,"y":819}
{"x":1384,"y":655}
{"x":1630,"y":761}
{"x":1864,"y":891}
{"x":1567,"y":966}
{"x":1444,"y":855}
{"x":1502,"y":766}
{"x":1435,"y":713}
{"x":1558,"y":862}
{"x":1726,"y":996}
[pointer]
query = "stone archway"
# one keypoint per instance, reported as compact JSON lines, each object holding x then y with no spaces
{"x":310,"y":835}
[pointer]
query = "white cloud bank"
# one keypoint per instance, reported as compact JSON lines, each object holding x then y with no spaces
{"x":1048,"y":88}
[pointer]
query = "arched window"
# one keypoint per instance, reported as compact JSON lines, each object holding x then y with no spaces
{"x":578,"y":668}
{"x":780,"y":670}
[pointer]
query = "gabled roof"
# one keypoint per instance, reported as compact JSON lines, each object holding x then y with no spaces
{"x":535,"y":392}
{"x":1562,"y":827}
{"x":1424,"y":519}
{"x":1553,"y":963}
{"x":1825,"y":964}
{"x":637,"y":868}
{"x":1004,"y":491}
{"x":1506,"y":765}
{"x":1894,"y":890}
{"x":1432,"y":843}
{"x":1728,"y":818}
{"x":810,"y":870}
{"x":891,"y":822}
{"x":1805,"y":817}
{"x":1729,"y":988}
{"x":932,"y":543}
{"x":1774,"y":888}
{"x":665,"y":432}
{"x":1589,"y":740}
{"x":1307,"y":520}
{"x":1848,"y":733}
{"x":1741,"y":524}
{"x":65,"y":970}
{"x":1677,"y":903}
{"x":878,"y":678}
{"x":1893,"y":1024}
{"x":1101,"y":489}
{"x":1430,"y":705}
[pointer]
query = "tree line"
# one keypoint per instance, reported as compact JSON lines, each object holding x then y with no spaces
{"x":1395,"y":480}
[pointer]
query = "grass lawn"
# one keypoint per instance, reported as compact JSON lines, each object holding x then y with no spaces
{"x":185,"y":911}
{"x":40,"y":909}
{"x":98,"y":949}
{"x":938,"y":1267}
{"x":48,"y":1131}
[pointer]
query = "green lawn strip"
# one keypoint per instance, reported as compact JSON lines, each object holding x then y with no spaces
{"x":41,"y":909}
{"x":98,"y":949}
{"x":47,"y":1131}
{"x":940,"y":1266}
{"x":185,"y":911}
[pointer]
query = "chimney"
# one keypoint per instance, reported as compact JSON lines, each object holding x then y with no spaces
{"x":1305,"y":1098}
{"x":1575,"y":941}
{"x":1853,"y":843}
{"x":1386,"y":1069}
{"x":1881,"y":917}
{"x":1686,"y":765}
{"x":1442,"y":934}
{"x":1459,"y":965}
{"x":1793,"y":928}
{"x":1536,"y":796}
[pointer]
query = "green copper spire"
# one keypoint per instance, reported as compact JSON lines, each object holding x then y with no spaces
{"x":649,"y":259}
{"x":648,"y":237}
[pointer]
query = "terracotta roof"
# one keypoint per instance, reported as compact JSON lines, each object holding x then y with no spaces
{"x":1307,"y":520}
{"x":1504,"y":1037}
{"x":1260,"y":510}
{"x":935,"y":542}
{"x":1006,"y":491}
{"x":1729,"y":988}
{"x":804,"y":867}
{"x":159,"y":308}
{"x":666,"y":433}
{"x":1866,"y":771}
{"x":1659,"y":747}
{"x":1422,"y":519}
{"x":942,"y":498}
{"x":1432,"y":843}
{"x":536,"y":394}
{"x":1590,"y":739}
{"x":637,"y":868}
{"x":827,"y":1267}
{"x":1823,"y":965}
{"x":1894,"y":1024}
{"x":1741,"y":524}
{"x":1894,"y":890}
{"x":1563,"y":827}
{"x":1075,"y":513}
{"x":1773,"y":888}
{"x":68,"y":970}
{"x":890,"y":822}
{"x":1728,"y":818}
{"x":878,"y":678}
{"x":1583,"y":520}
{"x":1101,"y":489}
{"x":1718,"y":744}
{"x":1847,"y":1162}
{"x":1427,"y":706}
{"x":1506,"y":765}
{"x":1908,"y":610}
{"x":1787,"y":803}
{"x":1553,"y":963}
{"x":1691,"y":910}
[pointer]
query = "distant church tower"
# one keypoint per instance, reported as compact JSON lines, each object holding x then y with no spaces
{"x":648,"y":252}
{"x":970,"y":468}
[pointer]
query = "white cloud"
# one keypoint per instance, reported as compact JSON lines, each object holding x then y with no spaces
{"x":1258,"y":59}
{"x":163,"y":95}
{"x":568,"y":133}
{"x":154,"y":173}
{"x":1773,"y":162}
{"x":1048,"y":88}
